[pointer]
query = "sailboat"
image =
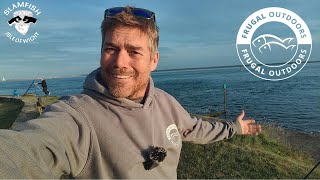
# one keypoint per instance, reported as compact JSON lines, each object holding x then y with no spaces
{"x":3,"y":79}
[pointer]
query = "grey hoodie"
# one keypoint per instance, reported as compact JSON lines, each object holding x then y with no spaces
{"x":95,"y":135}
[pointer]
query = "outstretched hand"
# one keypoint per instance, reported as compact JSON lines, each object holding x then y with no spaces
{"x":248,"y":126}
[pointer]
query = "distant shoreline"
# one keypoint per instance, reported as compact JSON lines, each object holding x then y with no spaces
{"x":160,"y":70}
{"x":217,"y":67}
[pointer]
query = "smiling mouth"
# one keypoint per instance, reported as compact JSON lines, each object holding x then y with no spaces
{"x":121,"y":76}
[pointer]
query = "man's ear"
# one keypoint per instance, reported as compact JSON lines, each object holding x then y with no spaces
{"x":154,"y":61}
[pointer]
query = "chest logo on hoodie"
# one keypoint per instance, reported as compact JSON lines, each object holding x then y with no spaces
{"x":173,"y":135}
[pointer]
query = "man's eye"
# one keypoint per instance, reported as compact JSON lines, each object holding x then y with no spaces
{"x":135,"y":53}
{"x":110,"y":50}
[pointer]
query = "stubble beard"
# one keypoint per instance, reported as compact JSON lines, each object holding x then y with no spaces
{"x":132,"y":90}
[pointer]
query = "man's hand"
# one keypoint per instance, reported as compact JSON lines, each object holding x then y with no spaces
{"x":248,"y":126}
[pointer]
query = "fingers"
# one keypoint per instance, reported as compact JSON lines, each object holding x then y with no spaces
{"x":259,"y":128}
{"x":241,"y":116}
{"x":248,"y":126}
{"x":253,"y":129}
{"x":250,"y":121}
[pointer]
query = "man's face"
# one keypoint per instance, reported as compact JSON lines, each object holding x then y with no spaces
{"x":126,"y":62}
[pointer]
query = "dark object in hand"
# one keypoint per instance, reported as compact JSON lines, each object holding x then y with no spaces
{"x":157,"y":155}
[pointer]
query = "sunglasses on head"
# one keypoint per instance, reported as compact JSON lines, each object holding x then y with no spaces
{"x":139,"y":12}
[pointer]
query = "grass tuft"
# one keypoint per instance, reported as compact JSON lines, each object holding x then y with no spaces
{"x":253,"y":157}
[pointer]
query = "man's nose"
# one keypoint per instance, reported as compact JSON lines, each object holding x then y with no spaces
{"x":122,"y":59}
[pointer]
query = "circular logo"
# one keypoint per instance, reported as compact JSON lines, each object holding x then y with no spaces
{"x":173,"y":135}
{"x":21,"y":16}
{"x":274,"y":43}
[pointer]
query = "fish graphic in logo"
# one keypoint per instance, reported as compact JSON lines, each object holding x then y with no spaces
{"x":266,"y":41}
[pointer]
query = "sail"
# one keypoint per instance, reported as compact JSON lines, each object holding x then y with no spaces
{"x":3,"y":79}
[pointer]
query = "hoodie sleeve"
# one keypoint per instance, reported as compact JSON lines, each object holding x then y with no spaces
{"x":198,"y":131}
{"x":52,"y":146}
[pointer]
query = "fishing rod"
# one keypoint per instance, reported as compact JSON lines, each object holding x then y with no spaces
{"x":31,"y":84}
{"x":38,"y":87}
{"x":312,"y":170}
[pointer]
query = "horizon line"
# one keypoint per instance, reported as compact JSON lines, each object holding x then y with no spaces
{"x":216,"y":67}
{"x":160,"y":70}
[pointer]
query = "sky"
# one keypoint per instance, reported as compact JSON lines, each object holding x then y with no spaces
{"x":192,"y":34}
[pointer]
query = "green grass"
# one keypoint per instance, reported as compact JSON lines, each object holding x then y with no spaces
{"x":9,"y":110}
{"x":46,"y":100}
{"x":244,"y":157}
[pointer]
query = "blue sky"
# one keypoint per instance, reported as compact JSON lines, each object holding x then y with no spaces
{"x":192,"y":34}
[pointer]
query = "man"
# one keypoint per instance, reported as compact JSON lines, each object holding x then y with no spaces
{"x":121,"y":126}
{"x":44,"y":87}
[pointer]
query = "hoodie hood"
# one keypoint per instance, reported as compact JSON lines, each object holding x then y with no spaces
{"x":93,"y":87}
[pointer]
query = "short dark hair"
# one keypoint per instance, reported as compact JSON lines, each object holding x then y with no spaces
{"x":127,"y":19}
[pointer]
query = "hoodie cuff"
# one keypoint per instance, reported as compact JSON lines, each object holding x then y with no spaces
{"x":238,"y":127}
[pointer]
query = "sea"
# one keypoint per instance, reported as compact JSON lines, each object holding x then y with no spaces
{"x":293,"y":103}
